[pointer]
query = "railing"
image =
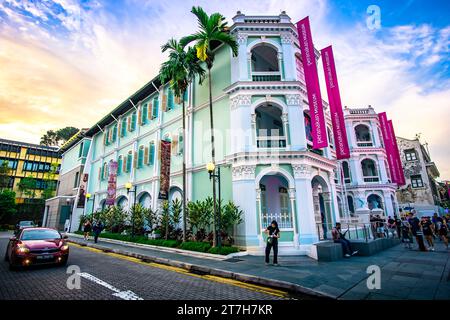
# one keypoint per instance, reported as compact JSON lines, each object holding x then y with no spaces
{"x":359,"y":111}
{"x":271,"y":141}
{"x":371,"y":179}
{"x":359,"y":231}
{"x":284,"y":219}
{"x":364,"y":144}
{"x":266,"y":76}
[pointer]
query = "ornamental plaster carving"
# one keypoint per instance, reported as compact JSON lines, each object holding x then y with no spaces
{"x":286,"y":38}
{"x":293,"y":99}
{"x":244,"y":172}
{"x":241,"y":100}
{"x":301,"y":171}
{"x":241,"y":38}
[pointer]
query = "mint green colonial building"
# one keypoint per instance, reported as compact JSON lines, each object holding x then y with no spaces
{"x":263,"y":143}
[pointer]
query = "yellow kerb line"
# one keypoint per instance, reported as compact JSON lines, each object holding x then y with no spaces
{"x":249,"y":286}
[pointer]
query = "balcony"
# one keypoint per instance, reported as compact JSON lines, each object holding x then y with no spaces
{"x":266,"y":76}
{"x":371,"y":179}
{"x":271,"y":141}
{"x":364,"y":144}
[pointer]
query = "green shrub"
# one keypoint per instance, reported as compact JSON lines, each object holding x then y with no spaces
{"x":223,"y":250}
{"x":196,"y":246}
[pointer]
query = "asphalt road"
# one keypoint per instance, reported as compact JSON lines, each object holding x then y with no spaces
{"x":107,"y":276}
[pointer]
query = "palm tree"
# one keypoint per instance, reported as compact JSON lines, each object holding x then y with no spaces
{"x":212,"y":29}
{"x":180,"y":70}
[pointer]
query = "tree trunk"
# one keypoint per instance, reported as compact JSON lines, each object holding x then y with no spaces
{"x":184,"y":171}
{"x":213,"y":156}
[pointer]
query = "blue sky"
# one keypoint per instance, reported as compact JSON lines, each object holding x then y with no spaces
{"x":62,"y":56}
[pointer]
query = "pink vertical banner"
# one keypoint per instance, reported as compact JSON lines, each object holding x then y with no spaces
{"x":112,"y":182}
{"x":319,"y":131}
{"x":387,"y":139}
{"x":334,"y":98}
{"x":398,"y":163}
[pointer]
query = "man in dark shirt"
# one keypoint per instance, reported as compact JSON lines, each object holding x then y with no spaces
{"x":416,"y":230}
{"x":339,"y":237}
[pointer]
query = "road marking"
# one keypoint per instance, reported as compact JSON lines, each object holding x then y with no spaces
{"x":237,"y":283}
{"x":125,"y":295}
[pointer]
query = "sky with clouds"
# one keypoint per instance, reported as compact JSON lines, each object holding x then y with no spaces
{"x":69,"y":62}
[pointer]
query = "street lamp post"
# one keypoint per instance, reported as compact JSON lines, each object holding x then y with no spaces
{"x":128,"y":186}
{"x":211,"y":167}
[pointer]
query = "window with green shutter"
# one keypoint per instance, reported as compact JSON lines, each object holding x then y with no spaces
{"x":144,"y":113}
{"x":129,"y":161}
{"x":170,"y":102}
{"x":133,"y":121}
{"x":141,"y":157}
{"x":185,"y":95}
{"x":114,"y":135}
{"x":119,"y":165}
{"x":123,"y":127}
{"x":155,"y":108}
{"x":180,"y":142}
{"x":152,"y":153}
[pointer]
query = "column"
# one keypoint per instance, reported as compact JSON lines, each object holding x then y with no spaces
{"x":356,"y":171}
{"x":304,"y":205}
{"x":374,"y":132}
{"x":293,"y":209}
{"x":383,"y":170}
{"x":244,"y":193}
{"x":288,"y":57}
{"x":239,"y":64}
{"x":284,"y":119}
{"x":296,"y":122}
{"x":388,"y":207}
{"x":334,"y":201}
{"x":241,"y":124}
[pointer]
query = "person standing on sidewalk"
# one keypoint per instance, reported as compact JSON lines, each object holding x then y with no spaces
{"x":416,"y":230}
{"x":98,"y":228}
{"x":273,"y":234}
{"x":87,"y":227}
{"x":406,"y":234}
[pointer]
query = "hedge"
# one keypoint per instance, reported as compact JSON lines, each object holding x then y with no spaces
{"x":188,"y":245}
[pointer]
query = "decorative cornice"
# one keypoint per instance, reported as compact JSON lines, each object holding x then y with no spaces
{"x":241,"y":38}
{"x":286,"y":38}
{"x":266,"y":86}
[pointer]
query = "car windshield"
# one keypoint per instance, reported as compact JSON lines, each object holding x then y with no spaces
{"x":25,"y":223}
{"x":43,"y":234}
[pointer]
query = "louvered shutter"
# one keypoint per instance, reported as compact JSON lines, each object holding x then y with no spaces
{"x":135,"y":160}
{"x":149,"y":111}
{"x":146,"y":153}
{"x":99,"y":173}
{"x":129,"y":124}
{"x":140,"y":117}
{"x":174,"y":144}
{"x":124,"y":167}
{"x":164,"y":103}
{"x":152,"y":153}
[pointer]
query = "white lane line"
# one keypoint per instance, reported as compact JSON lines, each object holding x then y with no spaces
{"x":125,"y":295}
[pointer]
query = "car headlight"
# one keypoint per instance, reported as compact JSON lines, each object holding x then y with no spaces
{"x":22,"y":249}
{"x":65,"y":247}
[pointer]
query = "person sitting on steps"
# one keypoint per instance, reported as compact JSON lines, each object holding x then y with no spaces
{"x":339,"y":237}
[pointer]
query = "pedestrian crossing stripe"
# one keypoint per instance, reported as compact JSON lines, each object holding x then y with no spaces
{"x":237,"y":283}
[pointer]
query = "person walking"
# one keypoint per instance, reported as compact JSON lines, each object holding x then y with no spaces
{"x":406,"y":233}
{"x":87,"y":227}
{"x":97,"y":229}
{"x":273,"y":234}
{"x":428,"y":232}
{"x":339,"y":237}
{"x":398,"y":226}
{"x":416,"y":230}
{"x":443,"y":231}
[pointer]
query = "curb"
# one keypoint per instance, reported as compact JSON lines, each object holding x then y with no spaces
{"x":198,"y":269}
{"x":189,"y":253}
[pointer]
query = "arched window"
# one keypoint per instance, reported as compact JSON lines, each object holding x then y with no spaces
{"x":369,"y":170}
{"x":346,"y":172}
{"x":374,"y":201}
{"x":269,"y":127}
{"x":363,"y":136}
{"x":145,"y":200}
{"x":308,"y":127}
{"x":351,"y":205}
{"x":104,"y":171}
{"x":330,"y":137}
{"x":265,"y":66}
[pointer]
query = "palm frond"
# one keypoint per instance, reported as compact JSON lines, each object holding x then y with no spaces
{"x":227,"y":39}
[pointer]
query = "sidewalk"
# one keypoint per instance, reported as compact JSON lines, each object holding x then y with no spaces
{"x":405,"y":274}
